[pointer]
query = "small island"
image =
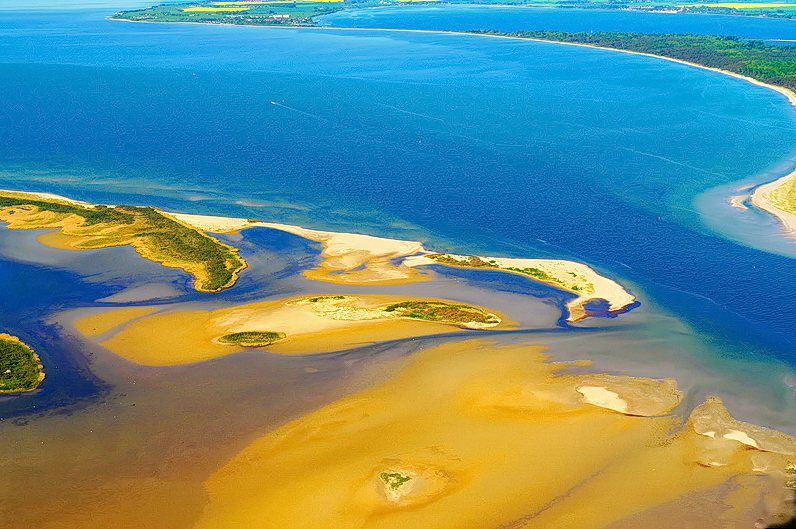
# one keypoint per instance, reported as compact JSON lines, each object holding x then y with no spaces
{"x":154,"y":234}
{"x":252,"y":338}
{"x":20,"y":367}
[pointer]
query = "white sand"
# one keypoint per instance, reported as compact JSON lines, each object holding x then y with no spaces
{"x":761,"y":199}
{"x":599,"y":396}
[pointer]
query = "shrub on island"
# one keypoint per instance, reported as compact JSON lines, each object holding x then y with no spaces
{"x":442,"y":312}
{"x":252,"y":338}
{"x":20,"y":369}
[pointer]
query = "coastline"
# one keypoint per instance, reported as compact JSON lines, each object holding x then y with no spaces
{"x":760,"y":199}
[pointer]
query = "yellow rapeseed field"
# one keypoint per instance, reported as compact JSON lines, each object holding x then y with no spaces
{"x":215,"y":8}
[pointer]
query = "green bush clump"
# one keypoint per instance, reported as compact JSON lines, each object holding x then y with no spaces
{"x":19,"y":366}
{"x":252,"y":338}
{"x":442,"y":312}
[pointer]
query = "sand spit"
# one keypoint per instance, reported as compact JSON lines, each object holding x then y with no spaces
{"x":773,"y":197}
{"x":573,"y":277}
{"x":311,"y":324}
{"x":363,"y":259}
{"x":348,"y":258}
{"x":475,"y":435}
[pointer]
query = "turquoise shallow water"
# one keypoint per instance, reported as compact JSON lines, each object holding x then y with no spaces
{"x":471,"y":144}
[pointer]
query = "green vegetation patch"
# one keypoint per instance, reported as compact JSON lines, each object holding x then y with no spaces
{"x":20,"y":369}
{"x":442,"y":312}
{"x":157,"y":236}
{"x":768,"y":63}
{"x":472,"y":261}
{"x":394,"y":480}
{"x":252,"y":338}
{"x":323,"y":298}
{"x":269,"y":14}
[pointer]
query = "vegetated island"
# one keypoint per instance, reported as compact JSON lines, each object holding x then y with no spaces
{"x":20,"y":367}
{"x":295,"y":326}
{"x":302,"y":12}
{"x":154,"y":234}
{"x":251,"y":338}
{"x":180,"y":241}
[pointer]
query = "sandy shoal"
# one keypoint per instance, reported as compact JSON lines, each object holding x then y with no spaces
{"x":493,"y":439}
{"x":185,"y":336}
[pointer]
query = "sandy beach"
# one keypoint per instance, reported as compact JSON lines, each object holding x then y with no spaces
{"x":761,"y":198}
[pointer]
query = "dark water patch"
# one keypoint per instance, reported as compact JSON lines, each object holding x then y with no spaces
{"x":508,"y":282}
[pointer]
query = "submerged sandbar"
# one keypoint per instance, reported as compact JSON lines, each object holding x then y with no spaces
{"x":475,"y":435}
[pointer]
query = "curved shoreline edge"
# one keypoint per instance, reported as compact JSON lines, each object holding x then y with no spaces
{"x":761,"y":199}
{"x":787,"y":220}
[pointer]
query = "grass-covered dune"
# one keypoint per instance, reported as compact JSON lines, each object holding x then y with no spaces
{"x":154,"y":234}
{"x":20,"y":367}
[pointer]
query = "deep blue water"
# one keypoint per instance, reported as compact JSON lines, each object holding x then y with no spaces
{"x":472,"y":144}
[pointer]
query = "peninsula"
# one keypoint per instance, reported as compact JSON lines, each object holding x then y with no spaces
{"x":302,"y":12}
{"x":20,"y":367}
{"x":779,"y":199}
{"x":154,"y":234}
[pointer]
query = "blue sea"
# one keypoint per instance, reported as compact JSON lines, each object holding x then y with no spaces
{"x":472,"y":144}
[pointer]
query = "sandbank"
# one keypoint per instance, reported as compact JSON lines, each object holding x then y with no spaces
{"x":762,"y":198}
{"x":573,"y":277}
{"x":474,"y":435}
{"x":176,"y":337}
{"x":351,"y":258}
